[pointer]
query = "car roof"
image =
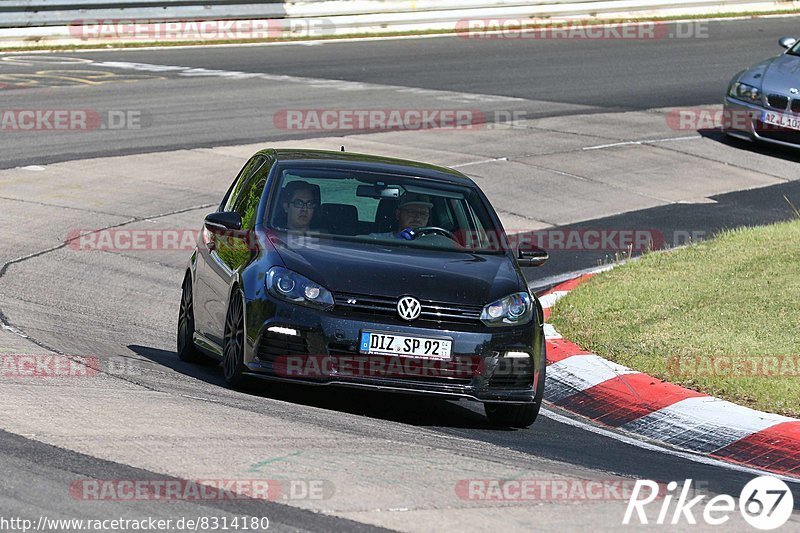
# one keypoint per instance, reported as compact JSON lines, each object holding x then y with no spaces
{"x":371,"y":162}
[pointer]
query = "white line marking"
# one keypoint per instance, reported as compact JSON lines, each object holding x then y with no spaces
{"x":320,"y":83}
{"x":653,"y":447}
{"x":645,"y":141}
{"x":315,"y":42}
{"x":49,"y":60}
{"x":14,"y":330}
{"x":198,"y":398}
{"x":494,"y":160}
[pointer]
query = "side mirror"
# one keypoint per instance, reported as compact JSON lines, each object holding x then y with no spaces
{"x":223,"y":221}
{"x":535,"y":257}
{"x":787,"y":42}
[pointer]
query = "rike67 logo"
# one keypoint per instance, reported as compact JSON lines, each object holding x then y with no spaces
{"x":765,"y":503}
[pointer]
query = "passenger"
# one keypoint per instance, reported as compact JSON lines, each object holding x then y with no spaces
{"x":301,"y":200}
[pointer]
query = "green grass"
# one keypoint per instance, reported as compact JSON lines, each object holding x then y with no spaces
{"x":38,"y":45}
{"x":735,"y":295}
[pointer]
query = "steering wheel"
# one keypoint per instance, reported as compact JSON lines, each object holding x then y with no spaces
{"x":433,"y":230}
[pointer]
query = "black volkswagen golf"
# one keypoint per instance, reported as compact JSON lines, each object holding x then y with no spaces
{"x":335,"y":268}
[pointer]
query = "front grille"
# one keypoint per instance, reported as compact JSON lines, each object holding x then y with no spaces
{"x":796,"y":105}
{"x":512,"y":373}
{"x":436,"y":312}
{"x":274,"y":345}
{"x":360,"y":303}
{"x":778,"y":101}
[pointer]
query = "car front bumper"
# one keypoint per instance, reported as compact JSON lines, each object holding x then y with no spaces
{"x":299,"y":344}
{"x":743,"y":120}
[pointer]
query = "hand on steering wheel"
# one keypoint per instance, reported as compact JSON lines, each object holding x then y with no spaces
{"x":432,"y":230}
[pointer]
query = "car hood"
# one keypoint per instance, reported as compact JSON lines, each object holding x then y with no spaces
{"x":393,"y":271}
{"x":776,"y":75}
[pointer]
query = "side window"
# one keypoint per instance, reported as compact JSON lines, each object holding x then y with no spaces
{"x":241,"y":181}
{"x":473,"y":229}
{"x":249,"y":195}
{"x":442,"y":216}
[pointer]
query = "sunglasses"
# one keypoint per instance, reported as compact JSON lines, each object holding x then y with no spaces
{"x":300,"y":204}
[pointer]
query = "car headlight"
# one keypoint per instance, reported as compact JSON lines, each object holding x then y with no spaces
{"x":742,"y":91}
{"x":514,"y":309}
{"x":291,"y":286}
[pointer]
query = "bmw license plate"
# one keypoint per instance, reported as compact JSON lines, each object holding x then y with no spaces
{"x":777,"y":119}
{"x":385,"y":343}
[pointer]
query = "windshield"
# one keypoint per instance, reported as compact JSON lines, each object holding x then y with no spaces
{"x":795,"y":50}
{"x":388,"y":209}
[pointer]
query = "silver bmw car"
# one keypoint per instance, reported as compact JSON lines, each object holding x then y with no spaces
{"x":763,"y":102}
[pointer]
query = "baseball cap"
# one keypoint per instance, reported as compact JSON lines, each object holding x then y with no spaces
{"x":412,"y":198}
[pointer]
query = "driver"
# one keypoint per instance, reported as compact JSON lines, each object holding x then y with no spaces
{"x":413,"y":213}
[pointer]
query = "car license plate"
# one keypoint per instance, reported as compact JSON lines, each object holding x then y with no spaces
{"x":777,"y":119}
{"x":384,"y":343}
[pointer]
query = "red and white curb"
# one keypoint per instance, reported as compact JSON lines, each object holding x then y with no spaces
{"x":615,"y":396}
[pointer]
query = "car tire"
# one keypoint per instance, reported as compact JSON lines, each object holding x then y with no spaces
{"x":233,"y":343}
{"x":519,"y":415}
{"x":187,"y":351}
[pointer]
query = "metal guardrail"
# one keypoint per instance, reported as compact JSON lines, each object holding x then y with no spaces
{"x":38,"y":13}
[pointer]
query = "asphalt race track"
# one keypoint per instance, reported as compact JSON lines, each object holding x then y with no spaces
{"x":591,"y":146}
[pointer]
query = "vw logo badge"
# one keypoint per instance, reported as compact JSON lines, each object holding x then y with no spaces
{"x":409,"y":308}
{"x":793,"y":90}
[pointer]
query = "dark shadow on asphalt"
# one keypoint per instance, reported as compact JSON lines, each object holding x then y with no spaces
{"x":547,"y":439}
{"x":673,"y":225}
{"x":771,"y":150}
{"x":408,"y":409}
